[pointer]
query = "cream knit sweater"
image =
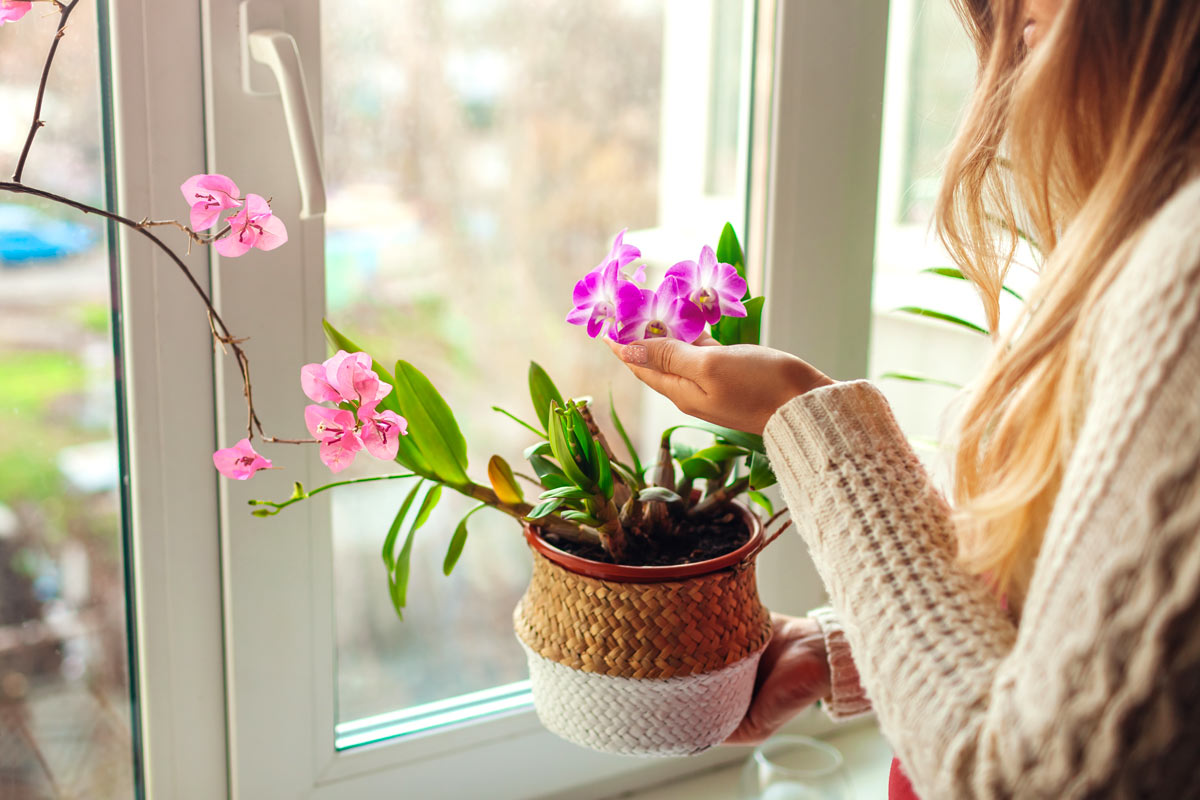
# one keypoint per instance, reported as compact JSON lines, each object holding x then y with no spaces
{"x":1097,"y":693}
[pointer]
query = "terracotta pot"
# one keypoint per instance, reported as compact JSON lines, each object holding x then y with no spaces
{"x":650,"y":661}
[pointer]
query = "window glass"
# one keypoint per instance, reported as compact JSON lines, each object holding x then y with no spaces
{"x":65,"y":724}
{"x":480,"y":158}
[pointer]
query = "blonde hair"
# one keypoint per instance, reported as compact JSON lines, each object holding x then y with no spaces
{"x":1080,"y":141}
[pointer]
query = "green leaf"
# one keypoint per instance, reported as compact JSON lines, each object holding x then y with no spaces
{"x":700,"y":468}
{"x":544,"y":509}
{"x":545,"y":468}
{"x":298,"y":491}
{"x":580,"y":517}
{"x":741,"y":330}
{"x":761,"y":474}
{"x":539,"y":449}
{"x":566,"y":493}
{"x":616,"y":421}
{"x":681,"y":451}
{"x":906,"y":376}
{"x":748,"y":441}
{"x":562,"y":451}
{"x":939,"y":315}
{"x":542,"y":392}
{"x":555,"y":481}
{"x":458,"y":541}
{"x":389,"y":543}
{"x":631,"y":480}
{"x":762,"y":500}
{"x":431,"y":425}
{"x":517,"y":420}
{"x":659,"y":494}
{"x":729,"y":251}
{"x":604,"y":474}
{"x":952,"y":272}
{"x":721,"y":452}
{"x":404,"y":560}
{"x":581,"y":435}
{"x":408,"y":454}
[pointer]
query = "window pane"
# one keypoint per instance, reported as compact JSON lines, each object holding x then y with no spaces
{"x":65,"y":726}
{"x":480,"y":158}
{"x":930,"y":73}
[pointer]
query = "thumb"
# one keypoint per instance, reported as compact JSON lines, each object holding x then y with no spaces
{"x":669,"y":356}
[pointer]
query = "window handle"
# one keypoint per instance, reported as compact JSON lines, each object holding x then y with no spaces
{"x":278,"y":52}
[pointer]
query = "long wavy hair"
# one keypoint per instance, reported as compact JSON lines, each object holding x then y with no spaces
{"x":1075,"y":145}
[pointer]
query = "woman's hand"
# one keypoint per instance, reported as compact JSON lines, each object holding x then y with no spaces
{"x":739,"y":386}
{"x":792,"y":675}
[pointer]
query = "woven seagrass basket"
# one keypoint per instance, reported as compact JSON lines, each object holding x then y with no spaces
{"x":643,"y":660}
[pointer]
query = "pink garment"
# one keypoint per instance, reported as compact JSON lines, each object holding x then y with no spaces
{"x":899,"y":787}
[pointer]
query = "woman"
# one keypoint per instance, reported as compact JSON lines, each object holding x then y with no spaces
{"x":1042,"y":639}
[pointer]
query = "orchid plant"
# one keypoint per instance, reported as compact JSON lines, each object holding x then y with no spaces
{"x":588,"y":494}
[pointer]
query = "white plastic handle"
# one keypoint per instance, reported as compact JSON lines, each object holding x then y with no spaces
{"x":277,"y":50}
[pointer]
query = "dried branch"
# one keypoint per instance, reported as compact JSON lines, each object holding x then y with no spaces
{"x":64,"y":15}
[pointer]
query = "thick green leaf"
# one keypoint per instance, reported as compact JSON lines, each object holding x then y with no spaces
{"x":761,"y":474}
{"x":939,"y":315}
{"x":539,"y":449}
{"x":729,"y":251}
{"x":748,"y":441}
{"x":517,"y":420}
{"x":762,"y":500}
{"x":427,"y":505}
{"x":906,"y":376}
{"x":431,"y":424}
{"x":695,"y":467}
{"x":721,"y":452}
{"x":631,"y":480}
{"x":580,"y":517}
{"x":604,"y":474}
{"x":562,"y":451}
{"x":408,"y":454}
{"x":542,"y":392}
{"x":566,"y":493}
{"x":681,"y":451}
{"x":389,"y":543}
{"x":620,"y":428}
{"x":556,"y":481}
{"x":544,"y":509}
{"x":659,"y":494}
{"x":545,"y":468}
{"x":581,"y":435}
{"x":750,"y":326}
{"x":458,"y":541}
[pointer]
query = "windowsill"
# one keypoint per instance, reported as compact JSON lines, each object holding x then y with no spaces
{"x":868,"y":760}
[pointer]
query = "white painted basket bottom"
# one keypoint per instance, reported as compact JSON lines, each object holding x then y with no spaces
{"x":671,"y":717}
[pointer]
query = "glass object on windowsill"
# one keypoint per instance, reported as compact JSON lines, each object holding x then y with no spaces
{"x":795,"y":768}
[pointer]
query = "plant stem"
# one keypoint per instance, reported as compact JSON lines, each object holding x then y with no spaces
{"x":64,"y":15}
{"x":320,"y":489}
{"x":722,"y":495}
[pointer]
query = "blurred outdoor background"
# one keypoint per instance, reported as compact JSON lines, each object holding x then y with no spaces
{"x":64,"y":685}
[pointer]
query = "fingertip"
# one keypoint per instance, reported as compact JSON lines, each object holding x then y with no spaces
{"x":635,"y":354}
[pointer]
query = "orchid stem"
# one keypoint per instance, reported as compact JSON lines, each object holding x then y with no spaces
{"x":280,"y":506}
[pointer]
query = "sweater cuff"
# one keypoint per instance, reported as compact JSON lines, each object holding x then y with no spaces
{"x":847,"y":699}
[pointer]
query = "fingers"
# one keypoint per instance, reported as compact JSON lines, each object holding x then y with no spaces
{"x":663,"y":355}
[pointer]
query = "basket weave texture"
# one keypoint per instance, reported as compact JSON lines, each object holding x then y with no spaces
{"x":642,"y":630}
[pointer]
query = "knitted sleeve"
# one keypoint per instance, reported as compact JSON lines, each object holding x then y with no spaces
{"x":1099,"y":690}
{"x":847,"y":699}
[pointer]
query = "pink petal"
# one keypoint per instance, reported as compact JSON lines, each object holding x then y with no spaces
{"x":339,"y":455}
{"x":231,"y":245}
{"x":315,"y":386}
{"x":202,"y":218}
{"x":274,"y":233}
{"x":240,"y":461}
{"x":687,"y":320}
{"x":13,"y":10}
{"x":688,"y":272}
{"x":381,"y":433}
{"x":579,"y":316}
{"x":257,"y":205}
{"x":639,"y":276}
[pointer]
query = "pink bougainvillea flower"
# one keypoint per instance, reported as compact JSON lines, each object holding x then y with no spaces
{"x":240,"y":461}
{"x":209,"y":195}
{"x":252,"y":226}
{"x":344,"y":378}
{"x":381,"y":431}
{"x":643,"y":314}
{"x":13,"y":10}
{"x":336,"y":431}
{"x":716,"y":288}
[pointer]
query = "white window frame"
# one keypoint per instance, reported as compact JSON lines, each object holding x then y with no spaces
{"x":235,"y":632}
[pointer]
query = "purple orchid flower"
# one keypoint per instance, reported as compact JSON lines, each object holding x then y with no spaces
{"x":644,"y":314}
{"x":595,"y":296}
{"x":715,"y":288}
